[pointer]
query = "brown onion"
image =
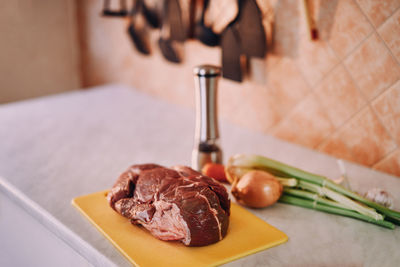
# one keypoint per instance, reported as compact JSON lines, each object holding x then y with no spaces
{"x":257,"y":189}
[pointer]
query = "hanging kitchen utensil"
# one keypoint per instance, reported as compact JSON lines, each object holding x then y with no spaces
{"x":268,"y":20}
{"x":150,"y":12}
{"x":231,"y":54}
{"x":251,"y":29}
{"x":220,"y":13}
{"x":167,"y":46}
{"x":122,"y":12}
{"x":175,"y":21}
{"x":137,"y":29}
{"x":191,"y":19}
{"x":311,"y":25}
{"x":186,"y":13}
{"x":204,"y":33}
{"x":257,"y":67}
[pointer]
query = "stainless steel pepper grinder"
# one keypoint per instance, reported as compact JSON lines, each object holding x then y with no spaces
{"x":206,"y":141}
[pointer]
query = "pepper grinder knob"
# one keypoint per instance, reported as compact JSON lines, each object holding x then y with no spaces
{"x":206,"y":141}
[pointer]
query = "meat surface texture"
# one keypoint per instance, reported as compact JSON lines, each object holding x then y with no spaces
{"x":175,"y":203}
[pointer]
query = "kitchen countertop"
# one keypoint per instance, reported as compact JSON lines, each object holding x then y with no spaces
{"x":58,"y":147}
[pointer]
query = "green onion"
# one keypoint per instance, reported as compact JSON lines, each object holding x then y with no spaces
{"x":312,"y":196}
{"x":274,"y":167}
{"x":235,"y":173}
{"x":314,"y":183}
{"x":334,"y":210}
{"x":386,"y":211}
{"x":289,"y":182}
{"x":350,"y":204}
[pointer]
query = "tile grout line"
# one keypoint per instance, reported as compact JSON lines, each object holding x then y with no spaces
{"x":268,"y":88}
{"x":340,"y":60}
{"x":376,"y":28}
{"x":291,"y":111}
{"x":341,"y":63}
{"x":369,"y":105}
{"x":385,"y":157}
{"x":363,"y":40}
{"x":370,"y":22}
{"x":357,"y":46}
{"x":273,"y":128}
{"x":312,"y":90}
{"x":368,"y":102}
{"x":384,"y":126}
{"x":313,"y":87}
{"x":341,"y":126}
{"x":325,"y":141}
{"x":388,"y":48}
{"x":335,"y":66}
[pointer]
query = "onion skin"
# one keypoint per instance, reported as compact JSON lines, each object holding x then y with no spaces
{"x":257,"y":189}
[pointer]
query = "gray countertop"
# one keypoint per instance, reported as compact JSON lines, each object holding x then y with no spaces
{"x":58,"y":147}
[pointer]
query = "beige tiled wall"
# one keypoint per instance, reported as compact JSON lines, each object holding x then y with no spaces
{"x":339,"y":95}
{"x":39,"y":51}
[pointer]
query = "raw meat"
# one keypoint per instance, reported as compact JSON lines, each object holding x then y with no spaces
{"x":175,"y":203}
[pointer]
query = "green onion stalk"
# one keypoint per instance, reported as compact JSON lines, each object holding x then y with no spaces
{"x":310,"y":190}
{"x":288,"y":199}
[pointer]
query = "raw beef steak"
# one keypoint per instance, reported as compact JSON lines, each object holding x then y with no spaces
{"x":175,"y":203}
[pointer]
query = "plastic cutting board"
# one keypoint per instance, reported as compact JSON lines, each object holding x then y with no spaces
{"x":247,"y":234}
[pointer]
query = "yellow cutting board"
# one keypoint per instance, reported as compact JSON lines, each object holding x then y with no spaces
{"x":247,"y":234}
